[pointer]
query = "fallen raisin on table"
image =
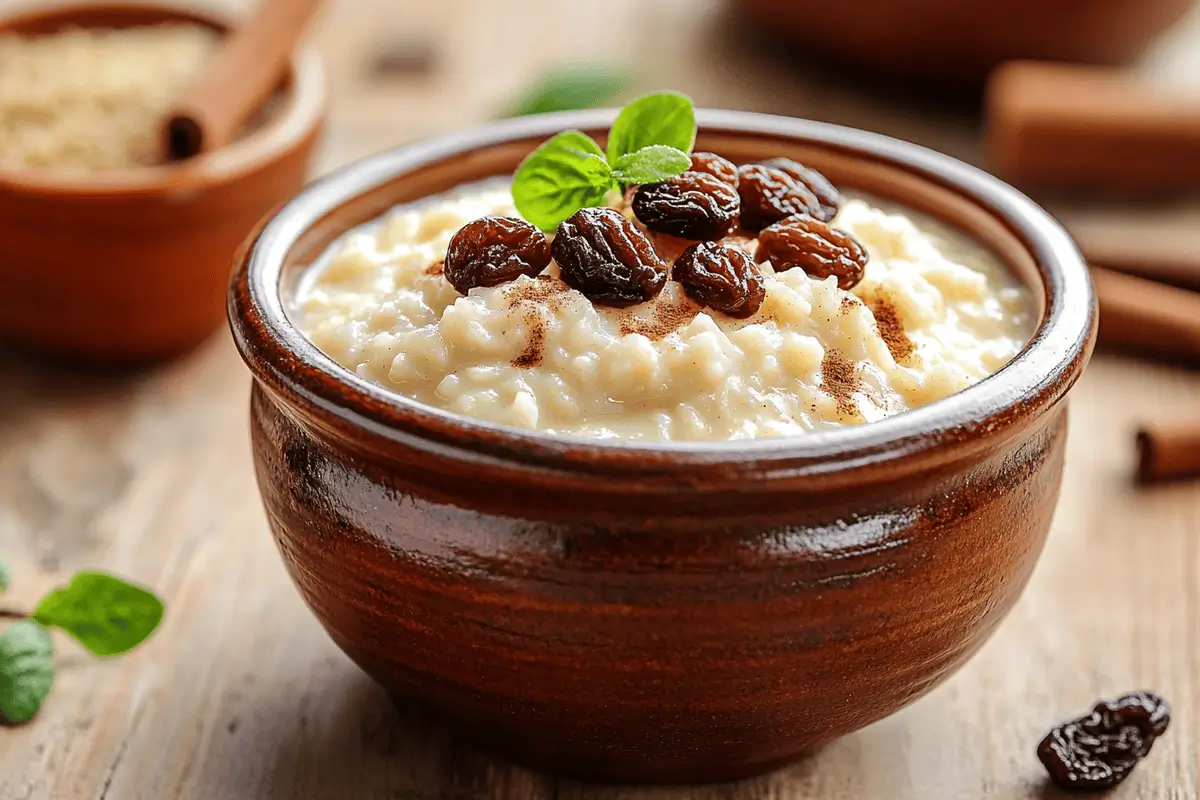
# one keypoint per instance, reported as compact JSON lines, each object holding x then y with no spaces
{"x":603,"y":255}
{"x":722,"y":169}
{"x":692,"y":205}
{"x":769,"y":195}
{"x":814,"y":247}
{"x":721,"y":278}
{"x":1100,"y":749}
{"x":494,"y":250}
{"x":826,"y":193}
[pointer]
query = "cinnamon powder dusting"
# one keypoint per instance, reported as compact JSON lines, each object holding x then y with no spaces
{"x":666,"y":318}
{"x":839,"y":379}
{"x":535,"y":345}
{"x":546,"y":291}
{"x":436,"y":267}
{"x":891,"y":328}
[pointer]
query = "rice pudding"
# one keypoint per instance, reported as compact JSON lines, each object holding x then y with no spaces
{"x":933,"y":313}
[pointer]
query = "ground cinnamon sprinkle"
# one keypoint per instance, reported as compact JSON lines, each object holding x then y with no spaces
{"x":436,"y":267}
{"x":891,"y":327}
{"x":535,"y":345}
{"x":545,"y":289}
{"x":839,"y":380}
{"x":665,"y":319}
{"x":849,"y":301}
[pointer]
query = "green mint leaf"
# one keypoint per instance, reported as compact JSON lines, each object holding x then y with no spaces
{"x":652,"y":164}
{"x":26,"y":670}
{"x":562,"y":176}
{"x":5,"y":576}
{"x":660,"y":118}
{"x":572,"y":87}
{"x":107,"y":615}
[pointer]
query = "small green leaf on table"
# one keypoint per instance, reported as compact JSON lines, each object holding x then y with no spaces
{"x":107,"y":615}
{"x":666,"y":118}
{"x":562,"y":176}
{"x":26,"y":670}
{"x":5,"y":575}
{"x":573,"y":87}
{"x":652,"y":164}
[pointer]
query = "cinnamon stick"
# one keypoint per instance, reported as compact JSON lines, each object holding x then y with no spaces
{"x":240,"y":77}
{"x":1148,"y":316}
{"x":1181,"y":272}
{"x":1087,"y":127}
{"x":1168,"y":452}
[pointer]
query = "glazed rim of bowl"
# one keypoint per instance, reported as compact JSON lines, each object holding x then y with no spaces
{"x":284,"y":359}
{"x":301,"y":109}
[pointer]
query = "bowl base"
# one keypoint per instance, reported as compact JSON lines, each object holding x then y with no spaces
{"x":596,"y":770}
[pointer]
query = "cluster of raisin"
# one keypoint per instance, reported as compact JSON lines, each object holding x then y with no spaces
{"x":598,"y":251}
{"x":610,"y":260}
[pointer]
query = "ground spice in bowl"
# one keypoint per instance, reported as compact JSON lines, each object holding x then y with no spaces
{"x":91,"y":99}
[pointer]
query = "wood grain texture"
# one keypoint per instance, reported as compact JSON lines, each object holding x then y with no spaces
{"x":241,"y":695}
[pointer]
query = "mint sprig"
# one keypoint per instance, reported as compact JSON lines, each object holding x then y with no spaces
{"x":5,"y":576}
{"x":649,"y":142}
{"x":106,"y":615}
{"x":665,"y":118}
{"x":559,"y":178}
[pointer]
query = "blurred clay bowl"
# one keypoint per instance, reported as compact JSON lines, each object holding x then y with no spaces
{"x":959,"y":41}
{"x":133,"y":265}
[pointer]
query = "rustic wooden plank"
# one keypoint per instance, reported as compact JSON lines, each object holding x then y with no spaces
{"x":242,"y":695}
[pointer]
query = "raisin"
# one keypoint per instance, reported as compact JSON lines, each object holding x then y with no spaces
{"x":826,"y":193}
{"x":769,"y":195}
{"x":722,"y":169}
{"x":494,"y":250}
{"x":692,"y":205}
{"x":1100,"y":749}
{"x":721,"y":278}
{"x":816,"y":248}
{"x":603,"y":255}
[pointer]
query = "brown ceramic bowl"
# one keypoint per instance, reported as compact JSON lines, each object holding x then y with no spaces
{"x":134,"y":264}
{"x":678,"y":612}
{"x":957,"y":41}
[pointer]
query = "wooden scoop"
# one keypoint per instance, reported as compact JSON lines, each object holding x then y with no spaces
{"x":239,"y":78}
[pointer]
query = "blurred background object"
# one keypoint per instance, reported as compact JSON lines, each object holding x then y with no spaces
{"x":571,"y":87}
{"x":212,"y":108}
{"x":109,"y":254}
{"x":1093,"y":129}
{"x":959,"y":41}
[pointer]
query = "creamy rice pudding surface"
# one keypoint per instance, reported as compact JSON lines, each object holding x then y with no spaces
{"x":933,"y":314}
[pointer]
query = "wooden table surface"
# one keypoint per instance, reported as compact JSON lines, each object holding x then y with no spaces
{"x":241,"y":695}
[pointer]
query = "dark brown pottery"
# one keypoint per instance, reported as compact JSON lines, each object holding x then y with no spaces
{"x":684,"y":612}
{"x":958,"y":41}
{"x":129,"y":265}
